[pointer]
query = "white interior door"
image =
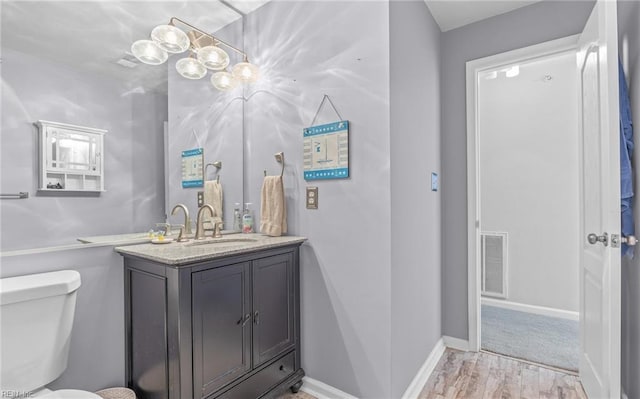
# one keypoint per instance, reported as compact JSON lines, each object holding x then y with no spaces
{"x":600,"y":204}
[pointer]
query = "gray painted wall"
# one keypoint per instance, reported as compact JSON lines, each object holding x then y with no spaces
{"x":415,"y":209}
{"x":307,"y":49}
{"x":96,"y":357}
{"x":629,"y":45}
{"x":34,"y":88}
{"x":530,"y":25}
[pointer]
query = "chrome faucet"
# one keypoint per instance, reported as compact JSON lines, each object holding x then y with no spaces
{"x":186,"y":229}
{"x":199,"y":221}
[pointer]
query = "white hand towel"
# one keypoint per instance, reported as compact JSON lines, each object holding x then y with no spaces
{"x":273,"y":208}
{"x":213,"y":197}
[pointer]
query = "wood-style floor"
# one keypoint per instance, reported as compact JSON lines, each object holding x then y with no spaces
{"x":481,"y":375}
{"x":299,"y":395}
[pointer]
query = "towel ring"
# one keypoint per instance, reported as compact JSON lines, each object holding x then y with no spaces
{"x":280,"y":159}
{"x":217,"y":165}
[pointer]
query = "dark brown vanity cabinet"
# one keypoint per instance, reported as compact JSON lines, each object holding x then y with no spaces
{"x":226,"y":328}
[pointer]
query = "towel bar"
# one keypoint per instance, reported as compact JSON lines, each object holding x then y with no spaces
{"x":217,"y":165}
{"x":20,"y":195}
{"x":280,"y":159}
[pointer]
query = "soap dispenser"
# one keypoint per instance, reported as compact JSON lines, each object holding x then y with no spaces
{"x":237,"y":218}
{"x":247,"y":219}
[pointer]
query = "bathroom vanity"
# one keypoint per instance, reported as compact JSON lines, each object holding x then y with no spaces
{"x":213,"y":319}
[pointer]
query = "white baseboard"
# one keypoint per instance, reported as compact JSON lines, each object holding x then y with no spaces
{"x":541,"y":310}
{"x":456,"y":343}
{"x":323,"y":391}
{"x":425,"y":371}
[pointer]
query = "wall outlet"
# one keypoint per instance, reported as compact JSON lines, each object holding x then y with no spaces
{"x":200,"y":199}
{"x":312,"y":197}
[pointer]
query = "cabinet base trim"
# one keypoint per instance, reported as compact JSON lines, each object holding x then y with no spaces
{"x":323,"y":391}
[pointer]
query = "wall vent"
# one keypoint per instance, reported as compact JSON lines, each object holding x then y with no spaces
{"x":494,"y":251}
{"x":128,"y":60}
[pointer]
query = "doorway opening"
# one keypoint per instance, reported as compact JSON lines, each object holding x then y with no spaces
{"x":526,"y":181}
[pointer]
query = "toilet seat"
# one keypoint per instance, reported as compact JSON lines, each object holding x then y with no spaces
{"x":70,"y":394}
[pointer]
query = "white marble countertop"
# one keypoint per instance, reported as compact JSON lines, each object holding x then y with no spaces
{"x":181,"y":253}
{"x":134,"y":238}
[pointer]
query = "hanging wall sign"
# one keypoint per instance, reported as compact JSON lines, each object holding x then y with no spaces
{"x":192,"y":168}
{"x":326,"y":151}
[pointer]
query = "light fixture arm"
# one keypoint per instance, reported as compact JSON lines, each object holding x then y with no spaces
{"x":215,"y":39}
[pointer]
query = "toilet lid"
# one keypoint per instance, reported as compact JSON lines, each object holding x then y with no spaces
{"x":71,"y":394}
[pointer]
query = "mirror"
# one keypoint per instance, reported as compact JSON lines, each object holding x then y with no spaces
{"x":72,"y":67}
{"x":203,"y":117}
{"x":72,"y":151}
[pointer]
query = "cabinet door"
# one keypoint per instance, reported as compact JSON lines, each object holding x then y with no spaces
{"x":273,"y":306}
{"x":221,"y":327}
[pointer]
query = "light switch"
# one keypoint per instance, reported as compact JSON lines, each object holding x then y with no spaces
{"x":312,"y":197}
{"x":434,"y":181}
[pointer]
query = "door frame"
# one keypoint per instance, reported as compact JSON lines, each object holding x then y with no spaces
{"x":473,"y":69}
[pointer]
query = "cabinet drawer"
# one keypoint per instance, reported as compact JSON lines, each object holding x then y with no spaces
{"x":259,"y":383}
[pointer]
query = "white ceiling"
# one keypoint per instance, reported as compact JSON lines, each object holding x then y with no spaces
{"x":93,"y":35}
{"x":451,"y":14}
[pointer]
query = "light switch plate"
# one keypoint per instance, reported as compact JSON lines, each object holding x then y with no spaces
{"x":434,"y":181}
{"x":200,"y":199}
{"x":312,"y":197}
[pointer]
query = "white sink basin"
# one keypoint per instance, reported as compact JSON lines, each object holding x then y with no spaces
{"x":219,"y":241}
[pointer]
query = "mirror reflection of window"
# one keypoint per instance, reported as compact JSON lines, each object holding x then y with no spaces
{"x":73,"y":151}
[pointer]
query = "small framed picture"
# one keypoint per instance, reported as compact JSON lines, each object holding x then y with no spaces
{"x":326,"y":151}
{"x":193,"y":168}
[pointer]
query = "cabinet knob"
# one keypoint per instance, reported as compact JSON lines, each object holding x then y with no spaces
{"x":256,"y":317}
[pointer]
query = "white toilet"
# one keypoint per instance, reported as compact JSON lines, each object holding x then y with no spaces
{"x":37,"y":317}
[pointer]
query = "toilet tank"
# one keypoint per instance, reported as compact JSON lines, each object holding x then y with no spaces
{"x":36,"y":317}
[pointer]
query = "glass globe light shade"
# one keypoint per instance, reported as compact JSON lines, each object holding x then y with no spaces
{"x":148,"y":52}
{"x":191,"y":68}
{"x":223,"y":81}
{"x":170,"y":38}
{"x":213,"y":57}
{"x":245,"y":72}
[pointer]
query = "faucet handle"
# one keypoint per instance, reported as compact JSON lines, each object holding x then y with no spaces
{"x":187,"y":228}
{"x":181,"y":234}
{"x":217,"y":224}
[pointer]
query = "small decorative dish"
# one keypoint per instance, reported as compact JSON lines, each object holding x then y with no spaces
{"x":162,"y":241}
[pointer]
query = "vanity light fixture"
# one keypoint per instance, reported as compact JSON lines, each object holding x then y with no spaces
{"x":206,"y":53}
{"x":191,"y":68}
{"x":245,"y":71}
{"x":223,"y":80}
